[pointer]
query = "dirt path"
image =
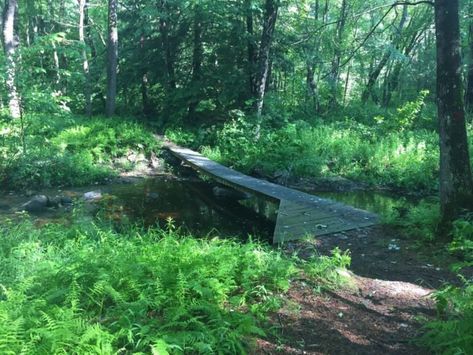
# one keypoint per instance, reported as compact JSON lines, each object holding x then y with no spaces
{"x":381,"y":314}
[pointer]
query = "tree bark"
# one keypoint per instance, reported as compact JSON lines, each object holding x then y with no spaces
{"x":393,"y":78}
{"x":456,"y":184}
{"x":310,"y":52}
{"x":310,"y":81}
{"x":469,"y":88}
{"x":112,"y":57}
{"x":252,"y":53}
{"x":373,"y":78}
{"x":374,"y":74}
{"x":83,"y":4}
{"x":146,"y":105}
{"x":269,"y":23}
{"x":197,"y":59}
{"x":166,"y":43}
{"x":335,"y":70}
{"x":11,"y":42}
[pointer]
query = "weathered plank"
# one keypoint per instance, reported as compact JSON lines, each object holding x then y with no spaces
{"x":299,"y":213}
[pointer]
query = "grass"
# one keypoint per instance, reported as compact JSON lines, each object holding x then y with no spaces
{"x":396,"y":149}
{"x":90,"y":289}
{"x":66,"y":150}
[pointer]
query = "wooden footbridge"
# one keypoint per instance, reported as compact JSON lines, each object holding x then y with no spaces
{"x":299,"y":214}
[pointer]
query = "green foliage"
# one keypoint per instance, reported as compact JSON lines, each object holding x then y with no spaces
{"x":180,"y":136}
{"x":408,"y":116}
{"x":329,"y":270}
{"x":66,"y":150}
{"x":401,"y":159}
{"x":89,"y":289}
{"x":452,"y":333}
{"x":462,"y":243}
{"x":419,"y":221}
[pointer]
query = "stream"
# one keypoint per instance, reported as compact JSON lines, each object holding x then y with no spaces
{"x":191,"y":204}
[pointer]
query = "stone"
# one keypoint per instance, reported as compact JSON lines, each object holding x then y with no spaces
{"x":92,"y":196}
{"x":65,"y":200}
{"x":37,"y":204}
{"x":54,"y":202}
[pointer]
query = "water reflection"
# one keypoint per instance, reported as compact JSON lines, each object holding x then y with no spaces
{"x":192,"y":206}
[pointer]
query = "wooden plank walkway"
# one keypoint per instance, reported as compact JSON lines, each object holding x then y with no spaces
{"x":299,"y":214}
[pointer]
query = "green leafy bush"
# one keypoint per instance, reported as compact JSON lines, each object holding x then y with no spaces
{"x":89,"y":289}
{"x":329,"y":269}
{"x":420,"y":221}
{"x":462,"y":244}
{"x":402,"y":159}
{"x":452,"y":333}
{"x":61,"y":149}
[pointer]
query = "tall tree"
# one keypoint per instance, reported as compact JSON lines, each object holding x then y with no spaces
{"x":112,"y":57}
{"x":269,"y":23}
{"x":469,"y":88}
{"x":197,"y":59}
{"x":337,"y":57}
{"x":376,"y":71}
{"x":83,"y":4}
{"x":10,"y":43}
{"x":456,"y":183}
{"x":251,"y":46}
{"x":164,"y":29}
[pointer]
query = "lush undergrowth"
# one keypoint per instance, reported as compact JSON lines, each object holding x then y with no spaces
{"x":398,"y":150}
{"x":452,"y":331}
{"x":62,"y":149}
{"x":89,"y":289}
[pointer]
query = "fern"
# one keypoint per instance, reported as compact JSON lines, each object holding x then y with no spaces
{"x":90,"y":289}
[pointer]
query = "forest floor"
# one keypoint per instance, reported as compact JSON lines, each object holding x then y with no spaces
{"x":389,"y":297}
{"x":381,"y":312}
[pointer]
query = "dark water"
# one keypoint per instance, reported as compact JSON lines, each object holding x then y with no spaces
{"x":374,"y":201}
{"x":192,"y":206}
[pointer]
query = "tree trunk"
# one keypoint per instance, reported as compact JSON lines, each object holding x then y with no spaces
{"x":469,"y":88}
{"x":335,"y":70}
{"x":112,"y":57}
{"x":166,"y":44}
{"x":347,"y":82}
{"x":374,"y":74}
{"x":11,"y":42}
{"x":252,"y":53}
{"x":83,"y":4}
{"x":456,"y":185}
{"x":312,"y":86}
{"x":146,"y":105}
{"x":310,"y":52}
{"x":393,"y":79}
{"x":197,"y":59}
{"x":373,"y":78}
{"x":269,"y":23}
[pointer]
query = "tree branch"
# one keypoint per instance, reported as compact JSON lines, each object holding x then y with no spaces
{"x":391,"y":6}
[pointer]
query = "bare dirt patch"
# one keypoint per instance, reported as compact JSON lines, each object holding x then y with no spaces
{"x":381,"y":313}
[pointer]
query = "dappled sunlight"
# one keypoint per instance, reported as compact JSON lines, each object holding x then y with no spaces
{"x":195,"y":176}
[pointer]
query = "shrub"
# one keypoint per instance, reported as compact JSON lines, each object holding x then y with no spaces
{"x":452,"y":333}
{"x":66,"y":150}
{"x":402,"y":159}
{"x":89,"y":289}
